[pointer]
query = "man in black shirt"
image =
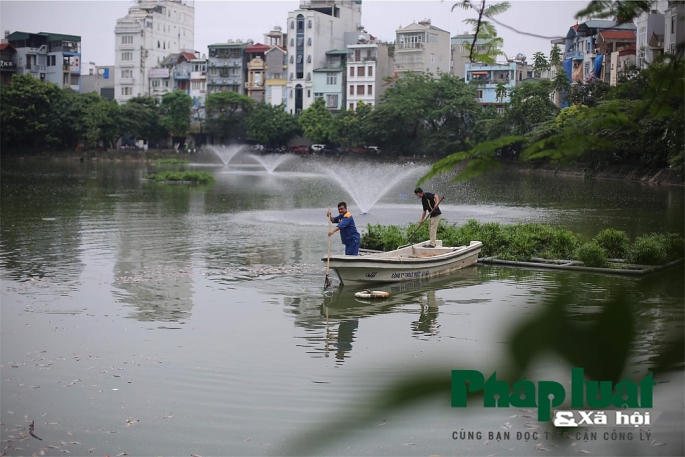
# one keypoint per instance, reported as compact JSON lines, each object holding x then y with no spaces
{"x":430,"y":205}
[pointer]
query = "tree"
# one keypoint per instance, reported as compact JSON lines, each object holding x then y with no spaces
{"x":102,"y":122}
{"x":66,"y":118}
{"x":272,"y":125}
{"x":419,"y":112}
{"x":317,"y":122}
{"x":530,"y":105}
{"x":588,"y":93}
{"x":490,"y":46}
{"x":175,"y":113}
{"x":140,"y":117}
{"x":226,"y":113}
{"x":25,"y":108}
{"x":352,"y":126}
{"x":540,"y":64}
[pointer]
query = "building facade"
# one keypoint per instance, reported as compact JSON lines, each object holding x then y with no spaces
{"x":421,"y":47}
{"x":487,"y":77}
{"x":8,"y":65}
{"x":459,"y":53}
{"x":369,"y":62}
{"x":226,"y":67}
{"x":256,"y":71}
{"x":316,"y":27}
{"x":150,"y":31}
{"x":100,"y":79}
{"x":49,"y":57}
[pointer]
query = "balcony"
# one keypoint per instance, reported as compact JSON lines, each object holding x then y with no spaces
{"x":363,"y":59}
{"x":409,"y":46}
{"x":329,"y":64}
{"x":181,"y":75}
{"x":575,"y":55}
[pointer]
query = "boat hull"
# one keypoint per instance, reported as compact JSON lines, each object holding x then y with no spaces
{"x":409,"y":263}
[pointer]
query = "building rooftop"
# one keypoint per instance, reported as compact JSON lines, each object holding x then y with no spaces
{"x":617,"y":34}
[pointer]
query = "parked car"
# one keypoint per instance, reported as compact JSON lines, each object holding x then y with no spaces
{"x":299,"y":149}
{"x":364,"y":150}
{"x":318,"y":147}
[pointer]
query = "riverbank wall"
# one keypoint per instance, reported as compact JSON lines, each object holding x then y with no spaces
{"x":617,"y":172}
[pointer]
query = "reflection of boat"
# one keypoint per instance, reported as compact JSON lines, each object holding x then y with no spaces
{"x":406,"y":263}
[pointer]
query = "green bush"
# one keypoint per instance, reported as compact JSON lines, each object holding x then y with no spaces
{"x":171,"y":161}
{"x":648,"y":250}
{"x":192,"y":176}
{"x":615,"y":242}
{"x":591,"y":254}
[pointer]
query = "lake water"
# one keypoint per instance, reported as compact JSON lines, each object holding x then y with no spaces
{"x":155,"y":319}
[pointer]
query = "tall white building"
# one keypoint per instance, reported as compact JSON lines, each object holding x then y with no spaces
{"x":150,"y":31}
{"x":316,"y":27}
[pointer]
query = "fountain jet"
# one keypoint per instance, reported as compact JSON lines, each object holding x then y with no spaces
{"x":367,"y":182}
{"x":226,"y":153}
{"x":271,"y":161}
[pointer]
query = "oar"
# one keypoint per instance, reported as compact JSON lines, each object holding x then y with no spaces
{"x":327,"y":282}
{"x":417,"y":228}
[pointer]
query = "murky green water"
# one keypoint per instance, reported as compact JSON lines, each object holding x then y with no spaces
{"x":177,"y":320}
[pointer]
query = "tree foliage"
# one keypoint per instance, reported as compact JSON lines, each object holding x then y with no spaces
{"x":272,"y":125}
{"x":175,"y":112}
{"x":317,"y":122}
{"x":226,"y":113}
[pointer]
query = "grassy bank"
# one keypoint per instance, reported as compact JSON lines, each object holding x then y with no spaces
{"x":524,"y":242}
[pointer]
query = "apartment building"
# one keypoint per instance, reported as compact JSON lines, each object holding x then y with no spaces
{"x":276,"y":59}
{"x":150,"y":31}
{"x":422,"y":47}
{"x":100,"y":79}
{"x":487,"y":77}
{"x":674,"y":27}
{"x":582,"y":54}
{"x":52,"y":57}
{"x":8,"y":66}
{"x":316,"y":27}
{"x":256,"y":71}
{"x":226,"y":66}
{"x":368,"y":63}
{"x":329,"y":80}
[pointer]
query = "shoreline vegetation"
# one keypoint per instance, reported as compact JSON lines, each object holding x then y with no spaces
{"x":539,"y":243}
{"x":201,"y":177}
{"x":627,"y":172}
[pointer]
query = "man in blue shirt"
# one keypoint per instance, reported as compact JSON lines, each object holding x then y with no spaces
{"x":348,"y":231}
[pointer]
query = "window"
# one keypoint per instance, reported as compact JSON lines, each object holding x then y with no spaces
{"x":292,"y":42}
{"x":331,"y":79}
{"x":126,"y":91}
{"x":309,"y":59}
{"x":432,"y":58}
{"x":292,"y":26}
{"x":351,"y":71}
{"x":309,"y":41}
{"x":433,"y":38}
{"x":499,"y":110}
{"x":309,"y":24}
{"x":360,"y":71}
{"x":299,"y":58}
{"x":300,"y":41}
{"x":351,"y":90}
{"x":127,"y":73}
{"x":360,"y":90}
{"x":127,"y":39}
{"x":332,"y":101}
{"x":369,"y":90}
{"x":309,"y":94}
{"x":292,"y":58}
{"x":351,"y":106}
{"x":370,"y":71}
{"x":126,"y":56}
{"x":673,"y":22}
{"x":479,"y":94}
{"x":357,"y":55}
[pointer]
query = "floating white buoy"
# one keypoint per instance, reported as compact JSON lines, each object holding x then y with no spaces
{"x":372,"y":294}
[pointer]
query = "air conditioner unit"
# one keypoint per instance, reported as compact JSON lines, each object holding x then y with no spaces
{"x":596,"y":51}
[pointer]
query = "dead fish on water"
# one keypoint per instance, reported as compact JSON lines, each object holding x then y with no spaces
{"x":31,"y":425}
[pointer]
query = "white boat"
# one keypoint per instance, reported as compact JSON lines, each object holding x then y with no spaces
{"x":405,"y":263}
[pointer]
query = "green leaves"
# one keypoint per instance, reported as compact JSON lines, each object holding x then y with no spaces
{"x":175,"y":110}
{"x":317,"y":122}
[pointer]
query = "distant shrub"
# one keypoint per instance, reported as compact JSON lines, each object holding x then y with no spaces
{"x":615,"y":242}
{"x":191,"y":176}
{"x":591,"y":254}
